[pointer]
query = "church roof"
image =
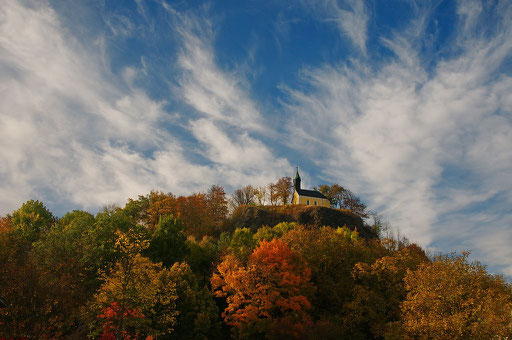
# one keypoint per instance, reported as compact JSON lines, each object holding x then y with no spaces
{"x":310,"y":193}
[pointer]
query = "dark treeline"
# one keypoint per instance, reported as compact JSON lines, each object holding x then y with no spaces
{"x":167,"y":267}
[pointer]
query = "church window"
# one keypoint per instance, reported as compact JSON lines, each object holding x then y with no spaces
{"x":307,"y":202}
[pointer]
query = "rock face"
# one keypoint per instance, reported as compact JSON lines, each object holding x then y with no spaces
{"x":253,"y":217}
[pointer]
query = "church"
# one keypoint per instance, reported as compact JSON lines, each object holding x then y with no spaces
{"x":307,"y":197}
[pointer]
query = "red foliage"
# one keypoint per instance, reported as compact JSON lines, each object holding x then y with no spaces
{"x":111,"y":314}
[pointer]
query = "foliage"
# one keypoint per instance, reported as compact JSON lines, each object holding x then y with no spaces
{"x":217,"y":204}
{"x":343,"y":198}
{"x":137,"y":298}
{"x":30,"y":311}
{"x":197,"y":318}
{"x":31,"y":219}
{"x":202,"y":256}
{"x":451,"y":298}
{"x":242,"y":243}
{"x":283,"y":190}
{"x":103,"y":275}
{"x":268,"y":234}
{"x":271,"y":290}
{"x":331,"y":257}
{"x":168,"y":244}
{"x":379,"y":290}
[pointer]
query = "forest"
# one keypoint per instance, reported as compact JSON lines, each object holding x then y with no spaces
{"x":188,"y":267}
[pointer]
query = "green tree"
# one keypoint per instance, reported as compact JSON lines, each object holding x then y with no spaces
{"x":168,"y":244}
{"x":198,"y":313}
{"x":202,"y":256}
{"x":31,"y":220}
{"x":242,"y":243}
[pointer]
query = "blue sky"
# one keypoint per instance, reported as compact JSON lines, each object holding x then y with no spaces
{"x":407,"y":103}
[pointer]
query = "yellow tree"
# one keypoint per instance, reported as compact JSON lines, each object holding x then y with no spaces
{"x":137,"y":298}
{"x":453,"y":299}
{"x":378,"y":293}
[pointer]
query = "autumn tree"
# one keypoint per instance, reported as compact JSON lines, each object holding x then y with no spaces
{"x":451,"y":298}
{"x":343,"y":198}
{"x":273,"y":194}
{"x":243,"y":196}
{"x":331,"y":255}
{"x":137,"y":298}
{"x":374,"y":310}
{"x":283,"y":189}
{"x":261,"y":195}
{"x":267,"y":296}
{"x":217,"y":204}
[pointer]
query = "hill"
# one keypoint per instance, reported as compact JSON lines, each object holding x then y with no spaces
{"x":255,"y":217}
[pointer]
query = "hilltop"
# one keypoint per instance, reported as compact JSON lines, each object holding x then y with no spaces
{"x":255,"y":217}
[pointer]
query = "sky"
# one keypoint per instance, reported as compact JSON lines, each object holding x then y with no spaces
{"x":406,"y":103}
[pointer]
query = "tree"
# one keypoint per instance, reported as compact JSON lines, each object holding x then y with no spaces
{"x":243,"y":196}
{"x":168,"y":244}
{"x":29,"y":312}
{"x":137,"y":298}
{"x":343,"y":198}
{"x":270,"y":292}
{"x":331,"y":255}
{"x":201,"y":257}
{"x":197,"y":312}
{"x":374,"y":310}
{"x":284,"y":189}
{"x":31,"y":219}
{"x":273,"y":193}
{"x":451,"y":298}
{"x":242,"y":243}
{"x":261,"y":195}
{"x":217,"y":204}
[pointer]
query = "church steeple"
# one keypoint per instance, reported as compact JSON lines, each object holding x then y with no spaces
{"x":296,"y":180}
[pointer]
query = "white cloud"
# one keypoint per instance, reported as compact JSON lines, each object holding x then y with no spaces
{"x":231,"y":119}
{"x":219,"y":94}
{"x":350,"y":17}
{"x":74,"y":133}
{"x":397,"y":134}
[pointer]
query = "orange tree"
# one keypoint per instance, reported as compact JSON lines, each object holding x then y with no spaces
{"x":268,"y":296}
{"x":453,"y":299}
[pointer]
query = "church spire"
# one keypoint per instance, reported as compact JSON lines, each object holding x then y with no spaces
{"x":296,"y":179}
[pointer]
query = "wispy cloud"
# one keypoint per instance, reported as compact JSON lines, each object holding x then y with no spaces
{"x":231,"y":124}
{"x":220,"y":94}
{"x":75,"y":133}
{"x":350,"y":17}
{"x":399,"y":135}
